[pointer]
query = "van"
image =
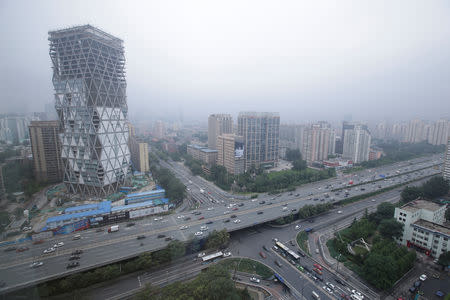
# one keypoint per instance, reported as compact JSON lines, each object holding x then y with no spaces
{"x":77,"y":237}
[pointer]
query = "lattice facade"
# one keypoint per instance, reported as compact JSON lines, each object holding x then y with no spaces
{"x":90,"y":100}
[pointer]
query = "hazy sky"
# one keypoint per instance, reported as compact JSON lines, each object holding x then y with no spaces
{"x":307,"y":60}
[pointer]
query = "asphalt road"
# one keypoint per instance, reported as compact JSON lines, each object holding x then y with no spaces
{"x":101,"y":248}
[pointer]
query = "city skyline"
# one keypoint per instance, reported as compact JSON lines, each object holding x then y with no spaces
{"x":365,"y":69}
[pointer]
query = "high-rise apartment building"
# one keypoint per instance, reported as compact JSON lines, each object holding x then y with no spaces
{"x":319,"y":142}
{"x":446,"y":172}
{"x":46,"y":149}
{"x":347,"y":125}
{"x":230,"y":153}
{"x":415,"y":132}
{"x":138,"y":151}
{"x":218,"y":124}
{"x":261,"y":133}
{"x":159,"y":129}
{"x":439,"y":132}
{"x":356,"y":144}
{"x":90,"y":101}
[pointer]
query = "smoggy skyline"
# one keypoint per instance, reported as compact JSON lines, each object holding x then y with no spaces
{"x":309,"y":61}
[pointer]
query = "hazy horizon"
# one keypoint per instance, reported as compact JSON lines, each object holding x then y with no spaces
{"x":307,"y":61}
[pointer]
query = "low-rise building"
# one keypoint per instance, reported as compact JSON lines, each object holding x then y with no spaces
{"x":424,"y":227}
{"x":203,"y":154}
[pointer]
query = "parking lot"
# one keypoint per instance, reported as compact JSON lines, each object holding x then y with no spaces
{"x":437,"y":280}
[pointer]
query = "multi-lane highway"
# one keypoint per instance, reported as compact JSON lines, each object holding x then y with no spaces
{"x":101,"y":248}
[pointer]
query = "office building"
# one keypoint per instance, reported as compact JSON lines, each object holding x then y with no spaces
{"x":261,"y":133}
{"x":319,"y":142}
{"x":446,"y":172}
{"x":218,"y":124}
{"x":159,"y":129}
{"x":46,"y":149}
{"x":138,"y":151}
{"x":424,"y":227}
{"x":90,"y":101}
{"x":230,"y":153}
{"x":356,"y":144}
{"x":204,"y":154}
{"x":439,"y":132}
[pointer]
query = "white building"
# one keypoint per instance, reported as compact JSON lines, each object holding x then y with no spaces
{"x":439,"y":132}
{"x":423,"y":227}
{"x":356,"y":144}
{"x":446,"y":172}
{"x":318,"y":142}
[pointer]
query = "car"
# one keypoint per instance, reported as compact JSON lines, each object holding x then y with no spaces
{"x":226,"y":220}
{"x":180,"y":217}
{"x":140,"y":237}
{"x":292,"y":262}
{"x":284,"y":208}
{"x":197,"y":213}
{"x":187,"y":219}
{"x":260,"y":212}
{"x":210,"y":208}
{"x":241,"y":204}
{"x":201,"y":218}
{"x":339,"y":212}
{"x":76,"y":237}
{"x":439,"y":294}
{"x":203,"y":228}
{"x":130,"y":224}
{"x":269,"y":203}
{"x":169,"y":238}
{"x":317,"y":271}
{"x":99,"y":230}
{"x":275,"y":240}
{"x":237,"y":221}
{"x":292,"y":243}
{"x":57,"y":245}
{"x":9,"y":249}
{"x":330,"y":285}
{"x":73,"y":264}
{"x":74,"y":257}
{"x":417,"y":283}
{"x":209,"y":222}
{"x":36,"y":264}
{"x":339,"y":281}
{"x":27,"y":228}
{"x":412,"y":289}
{"x":198,"y":233}
{"x":275,"y":248}
{"x":161,"y":236}
{"x":255,"y":280}
{"x":278,"y":263}
{"x":262,"y":202}
{"x":265,"y":248}
{"x":355,"y":292}
{"x":49,"y":250}
{"x":77,"y":252}
{"x":423,"y":277}
{"x":294,"y":209}
{"x":296,"y":195}
{"x":301,"y":253}
{"x":373,"y":200}
{"x":319,"y":267}
{"x":233,"y":216}
{"x":298,"y":226}
{"x":262,"y":254}
{"x":436,"y":275}
{"x":23,"y":248}
{"x":201,"y":254}
{"x":327,"y":289}
{"x":184,"y":227}
{"x":226,"y":254}
{"x":38,"y":242}
{"x":226,"y":212}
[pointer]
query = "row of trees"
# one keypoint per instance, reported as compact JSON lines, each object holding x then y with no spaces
{"x":175,"y":189}
{"x":396,"y":151}
{"x":386,"y":262}
{"x":433,"y":188}
{"x":212,"y":284}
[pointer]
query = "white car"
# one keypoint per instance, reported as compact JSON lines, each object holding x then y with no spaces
{"x":184,"y":227}
{"x":158,"y":218}
{"x":298,"y":226}
{"x":256,"y":199}
{"x":57,"y":245}
{"x":49,"y":250}
{"x":237,"y":221}
{"x":210,"y":208}
{"x":284,"y":208}
{"x":201,"y":254}
{"x":339,"y":211}
{"x":204,"y":228}
{"x":226,"y":254}
{"x":254,"y":279}
{"x":226,"y":212}
{"x":180,"y":217}
{"x":358,"y":294}
{"x":36,"y":264}
{"x":198,"y":233}
{"x":423,"y":277}
{"x":330,"y":285}
{"x":327,"y":289}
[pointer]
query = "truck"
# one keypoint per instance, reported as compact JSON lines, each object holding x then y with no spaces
{"x":113,"y":228}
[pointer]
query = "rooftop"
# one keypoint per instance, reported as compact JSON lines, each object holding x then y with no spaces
{"x":208,"y":150}
{"x":146,"y":193}
{"x":141,"y":204}
{"x":433,"y":226}
{"x":421,"y":204}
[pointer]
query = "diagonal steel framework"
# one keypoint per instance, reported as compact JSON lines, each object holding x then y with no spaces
{"x":90,"y":100}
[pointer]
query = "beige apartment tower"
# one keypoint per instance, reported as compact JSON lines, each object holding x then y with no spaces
{"x":46,"y":149}
{"x":218,"y":124}
{"x":230,"y":148}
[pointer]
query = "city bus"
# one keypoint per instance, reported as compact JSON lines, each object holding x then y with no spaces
{"x":293,"y":255}
{"x":212,"y":257}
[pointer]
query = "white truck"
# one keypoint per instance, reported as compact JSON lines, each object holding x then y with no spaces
{"x":113,"y":228}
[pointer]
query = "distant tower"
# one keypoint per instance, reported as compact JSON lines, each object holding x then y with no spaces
{"x":90,"y":101}
{"x":218,"y":124}
{"x":446,"y":172}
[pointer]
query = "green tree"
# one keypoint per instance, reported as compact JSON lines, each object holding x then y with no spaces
{"x":435,"y":187}
{"x":411,"y":193}
{"x":390,"y":228}
{"x":293,"y":155}
{"x":218,"y":239}
{"x":18,"y":212}
{"x":384,"y":211}
{"x":176,"y":249}
{"x":444,"y":259}
{"x":380,"y":270}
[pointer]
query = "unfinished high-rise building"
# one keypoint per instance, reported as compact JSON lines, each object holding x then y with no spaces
{"x":90,"y":100}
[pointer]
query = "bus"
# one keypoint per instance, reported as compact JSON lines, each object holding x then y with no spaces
{"x":293,"y":255}
{"x":212,"y":257}
{"x":315,"y":296}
